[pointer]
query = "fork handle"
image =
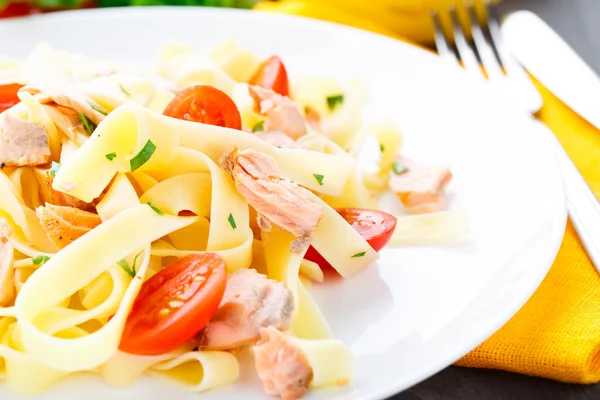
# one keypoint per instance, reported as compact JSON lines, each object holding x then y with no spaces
{"x":582,"y":204}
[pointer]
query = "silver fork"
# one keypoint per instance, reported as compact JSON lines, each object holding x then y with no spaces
{"x":506,"y":75}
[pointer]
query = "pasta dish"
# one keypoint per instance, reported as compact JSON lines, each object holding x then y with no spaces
{"x":168,"y":220}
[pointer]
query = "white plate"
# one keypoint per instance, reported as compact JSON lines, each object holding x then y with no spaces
{"x":420,"y":309}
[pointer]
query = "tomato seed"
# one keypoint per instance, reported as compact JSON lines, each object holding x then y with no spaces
{"x":175,"y":304}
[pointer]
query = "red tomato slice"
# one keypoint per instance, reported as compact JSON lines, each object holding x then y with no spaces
{"x":375,"y":226}
{"x":8,"y":95}
{"x":205,"y":104}
{"x":272,"y":75}
{"x":175,"y":304}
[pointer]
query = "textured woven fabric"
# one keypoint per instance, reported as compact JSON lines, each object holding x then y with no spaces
{"x":557,"y":333}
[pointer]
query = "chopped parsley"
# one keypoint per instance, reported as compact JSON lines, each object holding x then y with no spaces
{"x":319,"y":178}
{"x":155,"y":209}
{"x":259,"y":127}
{"x":381,"y":147}
{"x":143,"y":156}
{"x":124,"y":90}
{"x":40,"y":260}
{"x":232,"y":221}
{"x":87,"y":124}
{"x":55,"y":168}
{"x":111,"y":156}
{"x":399,"y":168}
{"x":97,"y":108}
{"x":334,"y":101}
{"x":129,"y":269}
{"x":361,"y":254}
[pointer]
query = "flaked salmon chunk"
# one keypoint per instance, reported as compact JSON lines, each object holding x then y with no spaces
{"x":251,"y":301}
{"x":277,"y":200}
{"x":22,"y":143}
{"x":64,"y":224}
{"x":49,"y":195}
{"x":7,"y":286}
{"x":278,"y":139}
{"x":281,"y":112}
{"x":420,"y":187}
{"x":69,"y":97}
{"x":281,"y":365}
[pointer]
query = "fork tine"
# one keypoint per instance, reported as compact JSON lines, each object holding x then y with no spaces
{"x":441,"y":42}
{"x":465,"y":51}
{"x":485,"y":49}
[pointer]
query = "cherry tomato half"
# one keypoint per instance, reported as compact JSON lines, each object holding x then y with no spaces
{"x":375,"y":226}
{"x":205,"y":104}
{"x":175,"y":304}
{"x":8,"y":95}
{"x":272,"y":75}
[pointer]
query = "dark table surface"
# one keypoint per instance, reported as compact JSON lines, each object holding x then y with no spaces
{"x":578,"y":22}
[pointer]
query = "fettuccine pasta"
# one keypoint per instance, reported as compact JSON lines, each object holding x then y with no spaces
{"x":159,"y":220}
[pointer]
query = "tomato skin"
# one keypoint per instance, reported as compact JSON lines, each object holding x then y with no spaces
{"x":205,"y":104}
{"x":190,"y":289}
{"x":375,"y":226}
{"x":272,"y":75}
{"x":8,"y":95}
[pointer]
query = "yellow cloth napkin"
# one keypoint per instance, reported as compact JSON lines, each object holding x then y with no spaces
{"x":557,"y":333}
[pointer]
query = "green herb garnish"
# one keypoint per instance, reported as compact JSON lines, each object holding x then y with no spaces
{"x":334,"y":101}
{"x":232,"y":221}
{"x":40,"y":260}
{"x":97,"y":108}
{"x":129,"y":269}
{"x":87,"y":124}
{"x":123,"y":90}
{"x":2,"y":165}
{"x":319,"y":178}
{"x":259,"y":127}
{"x":143,"y":156}
{"x":55,"y":168}
{"x":361,"y":254}
{"x":381,"y":147}
{"x":155,"y":209}
{"x":111,"y":156}
{"x":399,"y":168}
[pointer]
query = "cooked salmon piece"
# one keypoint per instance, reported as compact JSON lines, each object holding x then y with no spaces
{"x":251,"y":301}
{"x":69,"y":97}
{"x":277,"y":200}
{"x":7,"y":286}
{"x":22,"y":143}
{"x":64,"y":224}
{"x":49,"y":195}
{"x":281,"y":112}
{"x":420,"y":187}
{"x":281,"y":365}
{"x":278,"y":139}
{"x":66,"y":120}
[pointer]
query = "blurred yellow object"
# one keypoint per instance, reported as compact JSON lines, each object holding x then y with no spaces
{"x":400,"y":19}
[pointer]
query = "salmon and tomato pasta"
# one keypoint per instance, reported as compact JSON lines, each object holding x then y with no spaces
{"x":168,"y":220}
